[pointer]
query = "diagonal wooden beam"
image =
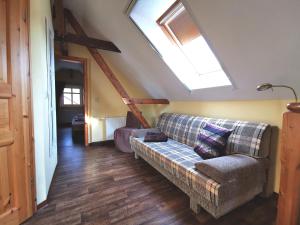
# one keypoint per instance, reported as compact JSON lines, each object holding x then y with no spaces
{"x":88,"y":42}
{"x":106,"y":69}
{"x":145,"y":101}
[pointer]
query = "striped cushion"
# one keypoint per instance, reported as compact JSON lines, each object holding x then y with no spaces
{"x":197,"y":124}
{"x":212,"y":141}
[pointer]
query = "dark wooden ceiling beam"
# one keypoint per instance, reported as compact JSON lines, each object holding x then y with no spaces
{"x":106,"y":69}
{"x":60,"y":26}
{"x":142,"y":101}
{"x":88,"y":42}
{"x":59,"y":22}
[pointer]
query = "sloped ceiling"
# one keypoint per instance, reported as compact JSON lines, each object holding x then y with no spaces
{"x":256,"y":41}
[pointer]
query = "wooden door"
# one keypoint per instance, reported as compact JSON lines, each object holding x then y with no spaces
{"x":17,"y":183}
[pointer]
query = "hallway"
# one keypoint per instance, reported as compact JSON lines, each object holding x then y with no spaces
{"x":100,"y":185}
{"x":64,"y":138}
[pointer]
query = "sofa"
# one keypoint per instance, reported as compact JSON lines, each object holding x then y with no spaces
{"x":217,"y":185}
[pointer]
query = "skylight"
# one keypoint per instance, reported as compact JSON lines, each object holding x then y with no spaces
{"x":172,"y":32}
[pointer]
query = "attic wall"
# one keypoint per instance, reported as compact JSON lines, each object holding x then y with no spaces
{"x":268,"y":111}
{"x":104,"y":101}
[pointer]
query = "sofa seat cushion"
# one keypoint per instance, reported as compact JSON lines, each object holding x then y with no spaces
{"x":179,"y":160}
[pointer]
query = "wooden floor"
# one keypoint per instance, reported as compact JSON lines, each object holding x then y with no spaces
{"x":100,"y":185}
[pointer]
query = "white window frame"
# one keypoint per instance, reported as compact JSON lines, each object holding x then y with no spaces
{"x":81,"y":96}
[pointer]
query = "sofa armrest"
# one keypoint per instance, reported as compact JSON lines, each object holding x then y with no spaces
{"x":232,"y":168}
{"x":139,"y":133}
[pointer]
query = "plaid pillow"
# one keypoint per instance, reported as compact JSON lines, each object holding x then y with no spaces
{"x":212,"y":141}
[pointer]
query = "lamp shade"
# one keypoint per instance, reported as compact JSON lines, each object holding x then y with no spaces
{"x":264,"y":87}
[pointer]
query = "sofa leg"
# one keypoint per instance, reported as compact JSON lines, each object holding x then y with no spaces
{"x":195,"y":206}
{"x":136,"y":156}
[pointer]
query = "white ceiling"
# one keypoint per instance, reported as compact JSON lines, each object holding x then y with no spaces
{"x":256,"y":41}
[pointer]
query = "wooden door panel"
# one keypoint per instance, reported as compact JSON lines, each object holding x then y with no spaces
{"x":4,"y":120}
{"x":4,"y":185}
{"x":6,"y":137}
{"x":10,"y":217}
{"x":6,"y":140}
{"x":3,"y":44}
{"x":5,"y":90}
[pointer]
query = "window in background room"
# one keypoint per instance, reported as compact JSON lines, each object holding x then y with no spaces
{"x":173,"y":33}
{"x":72,"y":96}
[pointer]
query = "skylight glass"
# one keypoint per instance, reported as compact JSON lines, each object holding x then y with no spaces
{"x":173,"y":33}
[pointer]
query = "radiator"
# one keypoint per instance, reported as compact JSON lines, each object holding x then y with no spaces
{"x":113,"y":123}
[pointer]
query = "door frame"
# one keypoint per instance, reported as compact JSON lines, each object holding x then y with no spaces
{"x":83,"y":62}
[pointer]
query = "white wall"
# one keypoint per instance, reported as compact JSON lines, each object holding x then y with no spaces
{"x":113,"y":123}
{"x":45,"y":155}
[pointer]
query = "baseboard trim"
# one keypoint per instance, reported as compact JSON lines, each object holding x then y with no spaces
{"x":103,"y":143}
{"x":45,"y":202}
{"x":42,"y":204}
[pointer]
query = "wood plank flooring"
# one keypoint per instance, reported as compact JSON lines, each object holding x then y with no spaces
{"x":100,"y":185}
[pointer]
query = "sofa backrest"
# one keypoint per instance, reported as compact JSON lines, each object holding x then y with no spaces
{"x":247,"y":138}
{"x":175,"y":126}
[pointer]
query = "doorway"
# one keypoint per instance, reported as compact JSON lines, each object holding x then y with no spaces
{"x":72,"y":92}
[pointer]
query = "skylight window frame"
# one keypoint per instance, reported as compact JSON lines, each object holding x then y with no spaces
{"x":149,"y":42}
{"x":179,"y":3}
{"x":175,"y":9}
{"x":168,"y":16}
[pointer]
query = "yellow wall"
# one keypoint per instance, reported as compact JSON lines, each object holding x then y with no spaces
{"x":104,"y":100}
{"x":269,"y":111}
